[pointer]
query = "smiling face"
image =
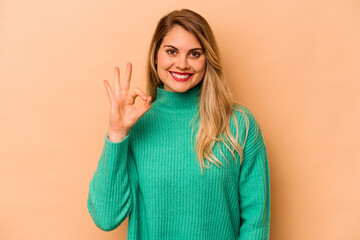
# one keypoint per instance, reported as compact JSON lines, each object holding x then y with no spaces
{"x":180,"y":60}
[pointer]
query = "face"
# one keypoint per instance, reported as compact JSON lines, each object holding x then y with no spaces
{"x":180,"y":60}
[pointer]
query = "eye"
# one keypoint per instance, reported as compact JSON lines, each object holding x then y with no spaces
{"x":195,"y":54}
{"x":170,"y":51}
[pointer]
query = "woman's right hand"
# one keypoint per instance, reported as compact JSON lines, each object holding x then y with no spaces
{"x":123,"y":113}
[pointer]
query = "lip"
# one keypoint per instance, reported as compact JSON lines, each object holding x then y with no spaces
{"x":180,"y":73}
{"x":181,"y":79}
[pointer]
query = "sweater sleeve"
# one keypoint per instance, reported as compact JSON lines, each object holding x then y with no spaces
{"x":254,"y":187}
{"x":110,"y":200}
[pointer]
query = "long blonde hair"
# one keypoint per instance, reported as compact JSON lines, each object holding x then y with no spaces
{"x":216,"y":99}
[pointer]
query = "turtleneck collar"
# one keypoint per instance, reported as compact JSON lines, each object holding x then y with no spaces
{"x":177,"y":102}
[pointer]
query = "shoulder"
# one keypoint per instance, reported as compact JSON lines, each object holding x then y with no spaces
{"x":247,"y":122}
{"x":245,"y":116}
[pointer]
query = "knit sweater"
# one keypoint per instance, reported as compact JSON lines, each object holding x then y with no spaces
{"x":152,"y":176}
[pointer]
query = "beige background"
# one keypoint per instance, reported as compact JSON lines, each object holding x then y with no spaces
{"x":295,"y":64}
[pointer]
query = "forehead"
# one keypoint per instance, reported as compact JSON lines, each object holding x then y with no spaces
{"x":180,"y":38}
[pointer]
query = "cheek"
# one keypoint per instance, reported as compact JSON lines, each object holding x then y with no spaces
{"x":163,"y":61}
{"x":200,"y":65}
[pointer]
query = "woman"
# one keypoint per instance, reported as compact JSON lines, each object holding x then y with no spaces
{"x":153,"y":161}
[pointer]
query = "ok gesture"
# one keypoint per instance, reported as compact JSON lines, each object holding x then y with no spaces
{"x":123,"y":113}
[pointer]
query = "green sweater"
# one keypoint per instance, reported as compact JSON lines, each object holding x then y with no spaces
{"x":153,"y":177}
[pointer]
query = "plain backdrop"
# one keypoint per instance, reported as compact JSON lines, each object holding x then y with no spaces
{"x":295,"y":64}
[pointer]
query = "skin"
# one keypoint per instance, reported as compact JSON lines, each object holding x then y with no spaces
{"x":123,"y":113}
{"x":180,"y":51}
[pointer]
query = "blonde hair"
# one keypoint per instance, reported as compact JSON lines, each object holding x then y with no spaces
{"x":216,"y":99}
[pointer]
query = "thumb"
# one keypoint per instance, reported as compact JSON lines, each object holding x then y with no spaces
{"x":144,"y":108}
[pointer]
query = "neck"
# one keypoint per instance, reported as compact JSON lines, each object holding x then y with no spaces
{"x":177,"y":102}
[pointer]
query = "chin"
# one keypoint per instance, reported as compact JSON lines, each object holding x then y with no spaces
{"x":179,"y":87}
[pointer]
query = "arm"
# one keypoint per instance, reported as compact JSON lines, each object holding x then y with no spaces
{"x":110,"y":200}
{"x":254,"y":187}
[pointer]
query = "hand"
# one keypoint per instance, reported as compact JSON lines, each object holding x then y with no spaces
{"x":123,"y":113}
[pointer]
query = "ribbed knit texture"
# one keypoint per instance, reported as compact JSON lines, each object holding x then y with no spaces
{"x":153,"y":177}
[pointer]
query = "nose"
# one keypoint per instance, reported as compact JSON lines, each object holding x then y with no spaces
{"x":182,"y":62}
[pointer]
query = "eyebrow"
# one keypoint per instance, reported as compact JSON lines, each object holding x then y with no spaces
{"x":193,"y":49}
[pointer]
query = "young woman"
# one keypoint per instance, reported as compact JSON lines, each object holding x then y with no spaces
{"x":190,"y":163}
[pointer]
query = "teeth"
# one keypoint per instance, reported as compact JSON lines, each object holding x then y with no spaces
{"x":180,"y":76}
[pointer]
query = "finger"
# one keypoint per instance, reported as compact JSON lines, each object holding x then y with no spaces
{"x":109,"y":91}
{"x":126,"y":83}
{"x":131,"y":98}
{"x":133,"y":95}
{"x":144,"y":108}
{"x":140,"y":93}
{"x":117,"y":80}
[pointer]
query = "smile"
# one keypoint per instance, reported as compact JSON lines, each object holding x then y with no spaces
{"x":182,"y":77}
